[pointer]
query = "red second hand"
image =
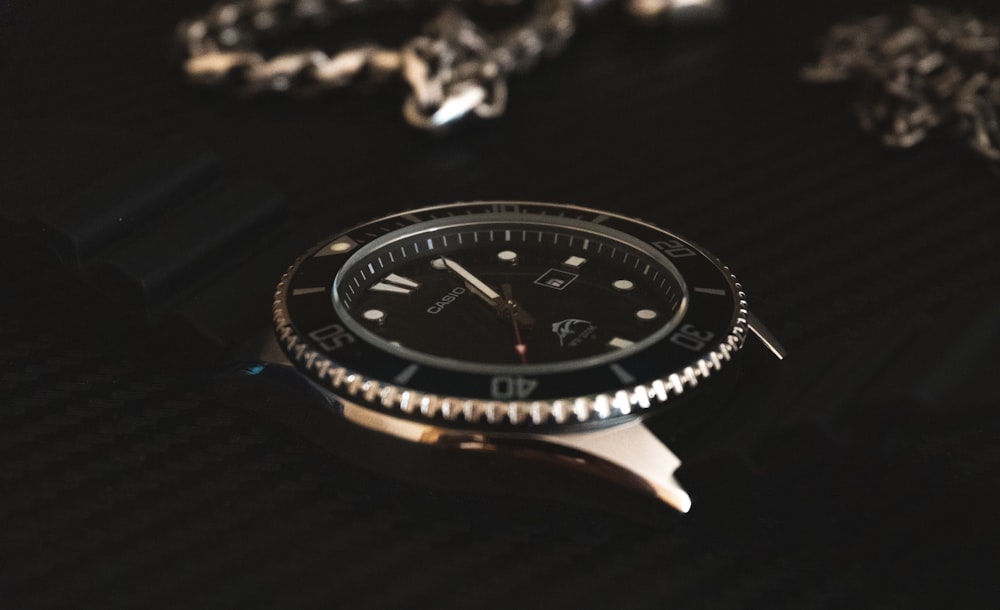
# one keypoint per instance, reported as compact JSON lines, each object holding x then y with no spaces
{"x":520,"y":347}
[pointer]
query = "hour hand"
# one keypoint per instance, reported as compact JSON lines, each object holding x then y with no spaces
{"x":476,"y":285}
{"x":504,"y":305}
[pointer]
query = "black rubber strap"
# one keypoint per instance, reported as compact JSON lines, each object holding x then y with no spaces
{"x":149,"y":265}
{"x":110,"y":209}
{"x":234,"y":305}
{"x":166,"y":236}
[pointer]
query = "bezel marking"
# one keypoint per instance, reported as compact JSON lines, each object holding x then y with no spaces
{"x":622,"y":375}
{"x":304,"y":291}
{"x":715,"y":291}
{"x":587,"y":396}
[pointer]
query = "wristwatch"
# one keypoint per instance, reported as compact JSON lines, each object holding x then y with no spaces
{"x":478,"y":337}
{"x":538,"y":331}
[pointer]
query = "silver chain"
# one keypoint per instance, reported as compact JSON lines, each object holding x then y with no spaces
{"x":927,"y":68}
{"x":453,"y":69}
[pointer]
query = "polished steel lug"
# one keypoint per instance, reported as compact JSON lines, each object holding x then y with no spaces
{"x":628,"y":454}
{"x":766,"y":337}
{"x":637,"y":453}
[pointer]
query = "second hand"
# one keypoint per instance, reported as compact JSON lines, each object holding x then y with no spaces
{"x":519,"y":346}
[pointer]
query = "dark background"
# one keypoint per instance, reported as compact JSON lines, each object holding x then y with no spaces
{"x":125,"y":482}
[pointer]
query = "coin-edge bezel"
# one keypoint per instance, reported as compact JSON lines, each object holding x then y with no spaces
{"x":608,"y":406}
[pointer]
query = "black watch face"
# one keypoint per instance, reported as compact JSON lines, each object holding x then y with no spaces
{"x":503,"y":302}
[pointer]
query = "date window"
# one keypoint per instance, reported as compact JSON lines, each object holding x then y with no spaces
{"x":556,"y":279}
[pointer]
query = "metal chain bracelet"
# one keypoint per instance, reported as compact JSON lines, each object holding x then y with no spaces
{"x":927,"y":68}
{"x":453,"y":69}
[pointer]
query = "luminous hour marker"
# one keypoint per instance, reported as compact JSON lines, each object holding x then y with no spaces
{"x":507,"y":256}
{"x":623,"y":285}
{"x":620,"y":343}
{"x":301,"y":291}
{"x":646,"y":314}
{"x":396,"y":283}
{"x":374,"y":315}
{"x":438,"y":264}
{"x":344,"y":244}
{"x":574,"y":261}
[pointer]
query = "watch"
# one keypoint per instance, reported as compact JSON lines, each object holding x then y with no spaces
{"x":454,"y":344}
{"x":540,"y":332}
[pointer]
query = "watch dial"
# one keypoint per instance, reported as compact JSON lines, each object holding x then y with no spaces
{"x":540,"y":305}
{"x":532,"y":295}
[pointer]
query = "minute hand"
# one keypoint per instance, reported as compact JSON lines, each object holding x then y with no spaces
{"x":477,"y":284}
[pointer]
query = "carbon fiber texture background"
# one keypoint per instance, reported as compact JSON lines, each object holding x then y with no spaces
{"x":126,"y":483}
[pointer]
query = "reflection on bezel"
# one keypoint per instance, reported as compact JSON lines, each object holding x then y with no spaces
{"x":525,"y":222}
{"x":365,"y":373}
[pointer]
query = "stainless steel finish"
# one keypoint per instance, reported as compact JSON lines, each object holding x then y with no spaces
{"x":453,"y":69}
{"x":619,"y":449}
{"x":622,"y":401}
{"x":930,"y":68}
{"x":637,"y":452}
{"x":627,"y":454}
{"x":616,"y":402}
{"x":766,"y":337}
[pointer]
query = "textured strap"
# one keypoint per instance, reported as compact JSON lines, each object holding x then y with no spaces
{"x":165,"y":236}
{"x":155,"y":263}
{"x":113,"y":208}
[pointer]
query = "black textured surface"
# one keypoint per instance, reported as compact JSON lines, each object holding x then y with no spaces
{"x":125,"y":483}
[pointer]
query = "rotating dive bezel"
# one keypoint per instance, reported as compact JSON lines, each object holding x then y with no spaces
{"x":321,"y":339}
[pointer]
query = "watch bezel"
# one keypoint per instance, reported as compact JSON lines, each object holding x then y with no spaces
{"x":365,"y":373}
